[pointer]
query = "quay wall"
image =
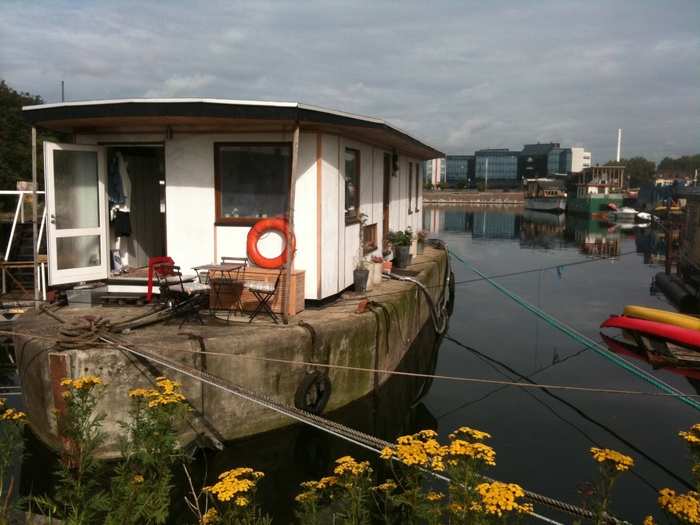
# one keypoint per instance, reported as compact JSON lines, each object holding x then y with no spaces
{"x":474,"y":197}
{"x":377,"y":338}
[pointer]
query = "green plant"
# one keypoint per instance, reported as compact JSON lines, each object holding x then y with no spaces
{"x":79,"y":498}
{"x":400,"y":238}
{"x":140,"y":488}
{"x":11,"y":446}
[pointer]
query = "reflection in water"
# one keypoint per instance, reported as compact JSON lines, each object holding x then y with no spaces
{"x":547,"y":231}
{"x":579,"y":271}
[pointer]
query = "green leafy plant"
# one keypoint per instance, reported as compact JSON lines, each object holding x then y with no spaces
{"x":11,"y":447}
{"x":401,"y":238}
{"x":143,"y":480}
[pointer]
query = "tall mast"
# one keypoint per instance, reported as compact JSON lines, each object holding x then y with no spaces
{"x":619,"y":143}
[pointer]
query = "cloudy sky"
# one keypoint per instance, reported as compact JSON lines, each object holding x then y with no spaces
{"x":460,"y":75}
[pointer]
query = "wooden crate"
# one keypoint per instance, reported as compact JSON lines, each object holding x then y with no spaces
{"x":231,"y":290}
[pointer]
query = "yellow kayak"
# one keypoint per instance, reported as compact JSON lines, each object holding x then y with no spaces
{"x":663,"y":316}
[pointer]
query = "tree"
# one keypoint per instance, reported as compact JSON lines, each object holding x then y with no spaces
{"x":682,"y":166}
{"x":638,"y":170}
{"x":15,"y":137}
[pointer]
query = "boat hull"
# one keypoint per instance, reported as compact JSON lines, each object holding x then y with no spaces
{"x":551,"y":204}
{"x":596,"y":205}
{"x":241,"y":354}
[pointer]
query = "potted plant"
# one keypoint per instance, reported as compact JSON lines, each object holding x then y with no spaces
{"x":377,"y":266}
{"x":421,"y":236}
{"x":401,"y":244}
{"x":360,"y":276}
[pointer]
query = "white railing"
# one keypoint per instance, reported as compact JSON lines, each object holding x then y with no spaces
{"x":19,"y":217}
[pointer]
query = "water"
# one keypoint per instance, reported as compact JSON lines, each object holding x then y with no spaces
{"x":542,"y":440}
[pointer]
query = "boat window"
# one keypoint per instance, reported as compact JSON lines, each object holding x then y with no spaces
{"x":252,"y":181}
{"x":352,"y":185}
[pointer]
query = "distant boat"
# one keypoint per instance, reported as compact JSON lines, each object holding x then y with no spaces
{"x":624,"y":214}
{"x":595,"y":189}
{"x":545,"y":195}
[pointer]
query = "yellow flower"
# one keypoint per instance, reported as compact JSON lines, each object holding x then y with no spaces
{"x":649,"y":520}
{"x":348,"y":465}
{"x":477,"y":451}
{"x":472,"y":433}
{"x":685,"y":507}
{"x":420,"y":449}
{"x":82,"y":383}
{"x":434,"y":496}
{"x":306,"y":497}
{"x":137,"y":479}
{"x":166,"y":393}
{"x":234,"y":484}
{"x":692,"y":436}
{"x":498,"y":498}
{"x":613,"y":458}
{"x":387,"y":486}
{"x":13,"y":415}
{"x":210,"y":517}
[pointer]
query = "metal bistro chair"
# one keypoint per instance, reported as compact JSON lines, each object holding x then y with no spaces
{"x":264,"y":292}
{"x":183,"y":298}
{"x":236,"y":281}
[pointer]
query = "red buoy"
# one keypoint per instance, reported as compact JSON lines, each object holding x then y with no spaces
{"x":258,"y":230}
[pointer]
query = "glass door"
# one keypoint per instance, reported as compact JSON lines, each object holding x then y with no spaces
{"x":77,"y":211}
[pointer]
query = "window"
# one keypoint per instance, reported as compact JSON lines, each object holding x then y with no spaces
{"x":252,"y":181}
{"x":410,"y":187}
{"x":369,"y":238}
{"x":352,"y":185}
{"x":417,"y":185}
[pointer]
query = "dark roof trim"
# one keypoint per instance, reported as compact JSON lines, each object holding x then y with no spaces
{"x":215,"y":108}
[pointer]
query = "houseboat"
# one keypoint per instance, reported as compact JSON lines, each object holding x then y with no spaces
{"x":595,"y":190}
{"x":298,"y":196}
{"x":544,"y":194}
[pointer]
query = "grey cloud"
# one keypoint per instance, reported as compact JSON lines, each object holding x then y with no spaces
{"x":461,"y":75}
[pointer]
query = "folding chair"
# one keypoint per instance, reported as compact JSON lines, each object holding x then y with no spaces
{"x":184,"y":298}
{"x":264,"y":292}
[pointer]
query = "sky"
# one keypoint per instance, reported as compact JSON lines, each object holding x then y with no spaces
{"x":459,"y":75}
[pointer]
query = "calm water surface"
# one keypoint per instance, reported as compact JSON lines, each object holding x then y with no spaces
{"x":542,"y":439}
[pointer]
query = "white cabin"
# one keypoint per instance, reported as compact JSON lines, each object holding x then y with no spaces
{"x":196,"y":174}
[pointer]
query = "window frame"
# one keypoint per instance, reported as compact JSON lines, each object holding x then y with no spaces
{"x":219,"y":220}
{"x":410,"y":187}
{"x":354,"y":216}
{"x":418,"y":186}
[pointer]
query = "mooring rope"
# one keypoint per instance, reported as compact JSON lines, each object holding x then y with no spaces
{"x":582,"y":339}
{"x":339,"y":430}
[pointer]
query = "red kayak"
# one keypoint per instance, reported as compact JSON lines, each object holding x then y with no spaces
{"x":668,"y":332}
{"x":623,"y":348}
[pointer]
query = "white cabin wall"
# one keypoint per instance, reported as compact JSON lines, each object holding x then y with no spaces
{"x":331,"y":187}
{"x":305,"y":217}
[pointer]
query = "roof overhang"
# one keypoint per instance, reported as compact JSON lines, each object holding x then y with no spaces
{"x":218,"y":115}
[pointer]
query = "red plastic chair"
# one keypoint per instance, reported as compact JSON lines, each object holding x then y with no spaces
{"x":152,"y":261}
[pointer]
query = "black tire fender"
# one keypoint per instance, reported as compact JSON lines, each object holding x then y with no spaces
{"x":313,"y":392}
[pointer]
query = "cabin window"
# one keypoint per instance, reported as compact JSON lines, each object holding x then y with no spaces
{"x":369,"y":238}
{"x":252,"y":181}
{"x":352,"y":185}
{"x":410,"y":187}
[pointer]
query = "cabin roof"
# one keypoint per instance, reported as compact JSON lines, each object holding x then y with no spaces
{"x":218,"y":115}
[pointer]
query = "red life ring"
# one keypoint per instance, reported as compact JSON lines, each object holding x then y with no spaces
{"x":258,"y":230}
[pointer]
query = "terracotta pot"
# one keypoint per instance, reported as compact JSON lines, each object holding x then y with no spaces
{"x":387,"y":266}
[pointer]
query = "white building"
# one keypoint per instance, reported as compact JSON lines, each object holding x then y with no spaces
{"x":199,"y":173}
{"x":580,"y":159}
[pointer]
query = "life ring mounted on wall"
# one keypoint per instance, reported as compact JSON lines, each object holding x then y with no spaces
{"x":259,"y":229}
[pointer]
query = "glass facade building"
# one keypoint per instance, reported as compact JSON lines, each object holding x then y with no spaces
{"x":496,"y":164}
{"x":459,"y":169}
{"x":559,"y":161}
